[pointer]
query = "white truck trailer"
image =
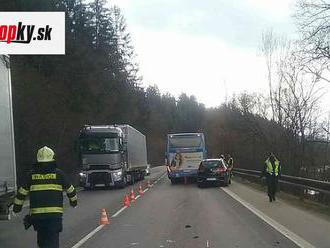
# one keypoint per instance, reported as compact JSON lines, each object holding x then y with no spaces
{"x":111,"y":155}
{"x":7,"y":145}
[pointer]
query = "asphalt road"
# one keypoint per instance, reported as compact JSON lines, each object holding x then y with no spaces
{"x":186,"y":216}
{"x":77,"y":222}
{"x":165,"y":216}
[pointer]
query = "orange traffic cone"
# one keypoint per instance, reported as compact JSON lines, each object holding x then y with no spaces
{"x":127,"y":202}
{"x":132,"y":196}
{"x":104,"y":218}
{"x":140,"y":190}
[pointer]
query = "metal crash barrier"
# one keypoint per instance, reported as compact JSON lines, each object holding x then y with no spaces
{"x":305,"y":188}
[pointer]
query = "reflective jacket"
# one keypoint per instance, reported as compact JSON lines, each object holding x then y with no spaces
{"x":45,"y":185}
{"x":230,"y":163}
{"x":273,"y":169}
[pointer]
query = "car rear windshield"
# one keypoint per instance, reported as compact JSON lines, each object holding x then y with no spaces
{"x":211,"y":164}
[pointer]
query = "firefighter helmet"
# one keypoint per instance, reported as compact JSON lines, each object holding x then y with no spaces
{"x":45,"y":154}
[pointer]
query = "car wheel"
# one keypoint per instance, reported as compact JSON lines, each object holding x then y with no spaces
{"x":200,"y":185}
{"x":173,"y":180}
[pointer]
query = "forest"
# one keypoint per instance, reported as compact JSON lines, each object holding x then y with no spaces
{"x":98,"y":82}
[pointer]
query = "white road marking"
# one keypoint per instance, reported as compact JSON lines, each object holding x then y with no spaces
{"x":134,"y":244}
{"x":145,"y":190}
{"x":92,"y":233}
{"x":88,"y":236}
{"x":280,"y":228}
{"x":207,"y":244}
{"x":119,"y":211}
{"x":97,"y":229}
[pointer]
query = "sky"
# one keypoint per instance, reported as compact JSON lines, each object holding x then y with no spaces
{"x":207,"y":48}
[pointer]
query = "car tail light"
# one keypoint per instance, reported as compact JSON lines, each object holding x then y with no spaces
{"x":220,"y":170}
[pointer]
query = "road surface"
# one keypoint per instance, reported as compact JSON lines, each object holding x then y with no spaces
{"x":175,"y":216}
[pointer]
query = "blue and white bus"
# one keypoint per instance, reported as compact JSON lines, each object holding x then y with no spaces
{"x":184,"y":152}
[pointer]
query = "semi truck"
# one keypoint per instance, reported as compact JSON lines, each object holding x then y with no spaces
{"x":111,"y":155}
{"x":7,"y":145}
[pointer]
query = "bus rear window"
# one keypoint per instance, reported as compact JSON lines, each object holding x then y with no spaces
{"x":185,"y":142}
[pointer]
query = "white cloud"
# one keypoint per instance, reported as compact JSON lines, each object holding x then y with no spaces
{"x":195,"y":65}
{"x":205,"y":48}
{"x":278,"y":9}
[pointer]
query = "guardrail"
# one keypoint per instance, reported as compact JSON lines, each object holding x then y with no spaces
{"x":305,"y":188}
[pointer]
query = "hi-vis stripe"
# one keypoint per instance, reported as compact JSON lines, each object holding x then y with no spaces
{"x":43,"y":176}
{"x":73,"y":198}
{"x":18,"y":202}
{"x":40,"y":187}
{"x":23,"y":191}
{"x":46,"y":210}
{"x":70,"y":189}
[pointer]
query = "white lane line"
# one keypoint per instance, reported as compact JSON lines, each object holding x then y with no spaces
{"x":207,"y":244}
{"x":119,"y":211}
{"x":97,"y":229}
{"x":280,"y":228}
{"x":88,"y":236}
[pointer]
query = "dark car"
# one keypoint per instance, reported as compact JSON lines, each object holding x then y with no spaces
{"x":213,"y":171}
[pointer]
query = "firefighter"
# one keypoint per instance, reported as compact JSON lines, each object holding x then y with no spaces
{"x":272,"y":171}
{"x":230,"y":162}
{"x":45,"y":185}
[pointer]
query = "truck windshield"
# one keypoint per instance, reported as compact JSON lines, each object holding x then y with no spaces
{"x":185,"y":141}
{"x":99,"y":145}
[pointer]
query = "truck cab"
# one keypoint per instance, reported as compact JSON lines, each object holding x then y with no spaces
{"x":102,"y":156}
{"x":111,"y":155}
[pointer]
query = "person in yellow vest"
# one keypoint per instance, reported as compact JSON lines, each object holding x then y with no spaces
{"x":272,"y":171}
{"x":45,"y":185}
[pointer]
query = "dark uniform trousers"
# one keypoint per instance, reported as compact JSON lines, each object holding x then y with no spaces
{"x":48,"y":232}
{"x":272,"y":182}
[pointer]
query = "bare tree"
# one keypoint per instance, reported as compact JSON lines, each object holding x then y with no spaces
{"x":301,"y":96}
{"x":268,"y":47}
{"x":275,"y":49}
{"x":313,"y":21}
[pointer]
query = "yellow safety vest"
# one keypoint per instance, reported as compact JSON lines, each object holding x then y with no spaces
{"x":269,"y":167}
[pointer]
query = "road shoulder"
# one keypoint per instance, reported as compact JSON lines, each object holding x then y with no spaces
{"x":313,"y":226}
